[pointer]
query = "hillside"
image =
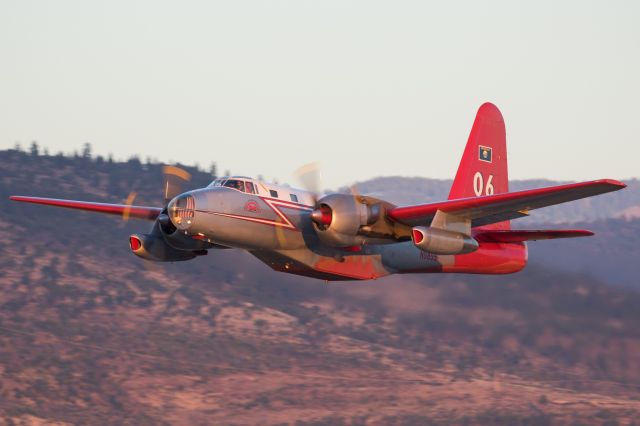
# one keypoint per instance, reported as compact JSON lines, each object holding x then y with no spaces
{"x":88,"y":331}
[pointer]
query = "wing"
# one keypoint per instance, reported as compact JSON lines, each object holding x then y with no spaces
{"x":140,"y":212}
{"x":497,"y":208}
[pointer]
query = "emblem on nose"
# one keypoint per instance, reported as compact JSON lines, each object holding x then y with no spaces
{"x":252,"y":206}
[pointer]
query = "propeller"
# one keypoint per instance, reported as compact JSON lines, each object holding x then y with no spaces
{"x":174,"y":179}
{"x":310,"y":178}
{"x":128,"y":202}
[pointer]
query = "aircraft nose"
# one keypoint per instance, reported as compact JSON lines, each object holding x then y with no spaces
{"x":182,"y":211}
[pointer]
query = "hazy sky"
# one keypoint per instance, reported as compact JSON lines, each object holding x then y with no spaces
{"x":366,"y":88}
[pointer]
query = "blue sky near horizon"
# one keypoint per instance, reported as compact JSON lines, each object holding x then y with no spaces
{"x":365,"y":88}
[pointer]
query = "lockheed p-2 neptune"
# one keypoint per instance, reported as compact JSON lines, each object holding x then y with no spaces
{"x":358,"y":237}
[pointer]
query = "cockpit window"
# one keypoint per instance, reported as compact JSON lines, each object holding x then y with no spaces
{"x":240,"y":185}
{"x":235,"y":184}
{"x":217,"y":182}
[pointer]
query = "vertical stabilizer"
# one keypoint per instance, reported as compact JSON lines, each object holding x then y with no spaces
{"x":483,"y":168}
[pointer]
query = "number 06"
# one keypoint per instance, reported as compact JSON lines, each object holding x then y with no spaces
{"x":479,"y":187}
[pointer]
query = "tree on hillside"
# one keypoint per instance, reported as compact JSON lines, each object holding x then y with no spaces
{"x":34,"y":149}
{"x":86,"y":151}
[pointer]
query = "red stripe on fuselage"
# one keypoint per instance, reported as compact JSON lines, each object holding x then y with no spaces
{"x":274,"y":204}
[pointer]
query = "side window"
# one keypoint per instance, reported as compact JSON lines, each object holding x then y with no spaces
{"x":250,"y":188}
{"x":294,"y":198}
{"x":273,"y":193}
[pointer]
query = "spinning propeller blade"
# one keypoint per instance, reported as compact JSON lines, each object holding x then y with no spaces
{"x":174,"y":179}
{"x":309,"y":177}
{"x":128,"y":203}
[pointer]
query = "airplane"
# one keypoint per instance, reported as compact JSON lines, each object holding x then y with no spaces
{"x":336,"y":237}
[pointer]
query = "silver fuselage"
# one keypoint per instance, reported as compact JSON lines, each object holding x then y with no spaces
{"x":280,"y":232}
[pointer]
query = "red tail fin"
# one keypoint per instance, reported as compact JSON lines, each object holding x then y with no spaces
{"x":483,"y":168}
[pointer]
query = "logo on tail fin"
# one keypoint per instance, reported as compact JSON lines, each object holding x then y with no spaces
{"x":484,"y":153}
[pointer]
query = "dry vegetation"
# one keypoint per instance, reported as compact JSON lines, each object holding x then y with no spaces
{"x":89,"y":334}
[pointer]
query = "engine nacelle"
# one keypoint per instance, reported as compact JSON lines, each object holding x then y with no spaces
{"x":154,"y":248}
{"x":440,"y":241}
{"x":178,"y":238}
{"x":339,"y":217}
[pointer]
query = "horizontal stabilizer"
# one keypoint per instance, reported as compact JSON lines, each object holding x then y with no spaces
{"x":495,"y":208}
{"x":139,"y":212}
{"x":518,"y":236}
